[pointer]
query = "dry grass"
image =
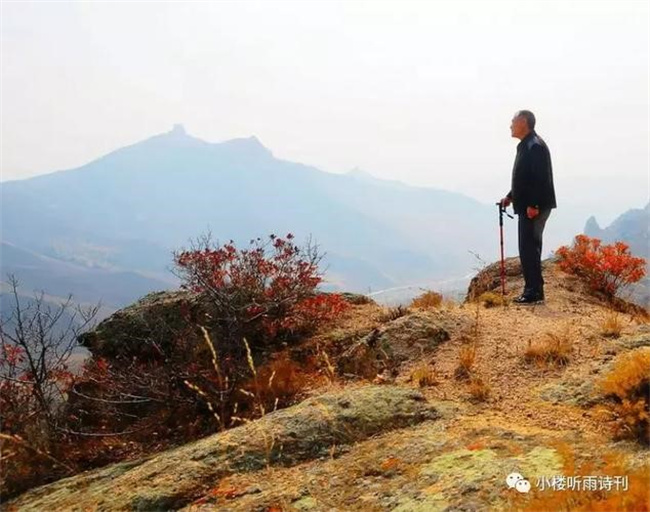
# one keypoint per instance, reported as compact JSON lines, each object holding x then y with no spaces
{"x":281,"y":379}
{"x":391,"y":314}
{"x":428,"y":300}
{"x":627,"y":384}
{"x":424,"y":376}
{"x":612,"y":325}
{"x":492,"y":299}
{"x":272,"y":385}
{"x":479,"y":389}
{"x":641,"y":317}
{"x":449,"y":304}
{"x":222,"y":383}
{"x":327,"y":367}
{"x":466,"y":360}
{"x":552,"y":349}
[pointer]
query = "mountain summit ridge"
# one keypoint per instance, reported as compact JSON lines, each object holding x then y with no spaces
{"x":165,"y":190}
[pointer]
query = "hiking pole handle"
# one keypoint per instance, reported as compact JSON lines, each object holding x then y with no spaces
{"x":502,"y":210}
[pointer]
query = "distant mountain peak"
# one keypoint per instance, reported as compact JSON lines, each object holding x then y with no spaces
{"x":249,"y":146}
{"x":361,"y":174}
{"x":631,"y":227}
{"x":178,"y":129}
{"x":592,"y":228}
{"x":175,"y":137}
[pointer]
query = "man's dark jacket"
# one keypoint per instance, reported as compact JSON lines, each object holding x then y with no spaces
{"x":532,"y":175}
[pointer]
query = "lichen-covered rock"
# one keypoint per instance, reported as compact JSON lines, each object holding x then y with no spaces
{"x":571,"y":391}
{"x":581,"y":388}
{"x":406,"y":338}
{"x":176,"y":477}
{"x":148,"y":326}
{"x":489,"y":279}
{"x":151,"y":326}
{"x":429,"y":467}
{"x":357,"y":299}
{"x":641,"y":339}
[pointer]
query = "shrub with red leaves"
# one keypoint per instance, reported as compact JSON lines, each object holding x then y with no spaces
{"x":606,"y":268}
{"x":264,"y":293}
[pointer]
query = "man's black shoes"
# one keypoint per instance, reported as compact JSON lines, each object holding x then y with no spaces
{"x":529,"y":299}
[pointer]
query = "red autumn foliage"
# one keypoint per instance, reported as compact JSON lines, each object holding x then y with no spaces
{"x":265,"y":292}
{"x":606,"y":268}
{"x":15,"y":393}
{"x":36,"y":342}
{"x":137,"y":402}
{"x":310,"y":312}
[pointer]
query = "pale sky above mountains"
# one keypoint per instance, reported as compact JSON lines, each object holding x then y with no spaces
{"x":421,"y":92}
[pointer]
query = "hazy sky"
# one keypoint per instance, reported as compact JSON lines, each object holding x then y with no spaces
{"x":422,"y":92}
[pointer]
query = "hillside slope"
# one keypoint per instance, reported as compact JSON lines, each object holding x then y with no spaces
{"x":58,"y":278}
{"x":534,"y":420}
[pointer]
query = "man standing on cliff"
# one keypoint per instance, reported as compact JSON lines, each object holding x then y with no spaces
{"x":532,"y":196}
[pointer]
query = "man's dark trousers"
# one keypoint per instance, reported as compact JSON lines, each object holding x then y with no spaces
{"x":530,"y":251}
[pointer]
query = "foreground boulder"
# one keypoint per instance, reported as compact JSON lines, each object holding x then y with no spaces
{"x":579,"y":386}
{"x":489,"y":279}
{"x":154,"y":324}
{"x":385,"y":348}
{"x":159,"y":317}
{"x":174,"y":478}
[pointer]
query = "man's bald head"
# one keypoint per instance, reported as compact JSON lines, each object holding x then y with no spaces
{"x":528,"y":116}
{"x":523,"y":122}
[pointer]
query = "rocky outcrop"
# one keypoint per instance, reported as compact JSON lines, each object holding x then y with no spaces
{"x":580,"y":388}
{"x":146,"y":327}
{"x":383,"y":349}
{"x":357,"y":298}
{"x":315,"y":428}
{"x":592,"y":228}
{"x":423,"y":469}
{"x":631,"y":227}
{"x":151,"y":325}
{"x":489,"y":279}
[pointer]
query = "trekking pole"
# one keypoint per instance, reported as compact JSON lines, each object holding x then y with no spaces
{"x":502,"y":210}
